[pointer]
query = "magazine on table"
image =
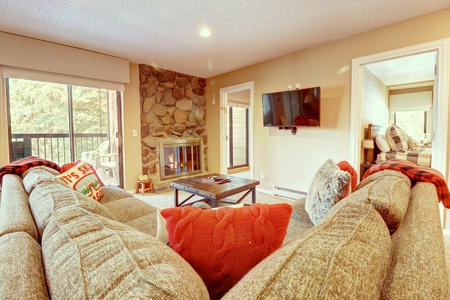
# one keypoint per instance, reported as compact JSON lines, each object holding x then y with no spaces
{"x":216,"y":179}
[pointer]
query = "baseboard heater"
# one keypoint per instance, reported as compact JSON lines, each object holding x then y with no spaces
{"x":288,"y":193}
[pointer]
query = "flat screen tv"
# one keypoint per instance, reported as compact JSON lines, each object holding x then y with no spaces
{"x":292,"y":108}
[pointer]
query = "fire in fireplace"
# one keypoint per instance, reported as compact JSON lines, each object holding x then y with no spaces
{"x":180,"y":158}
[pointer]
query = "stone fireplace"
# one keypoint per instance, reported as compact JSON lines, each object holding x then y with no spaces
{"x":180,"y":158}
{"x":172,"y":125}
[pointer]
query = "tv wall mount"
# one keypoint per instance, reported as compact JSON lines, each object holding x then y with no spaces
{"x":293,"y":129}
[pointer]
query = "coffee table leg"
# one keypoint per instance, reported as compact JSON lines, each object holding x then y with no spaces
{"x":175,"y":196}
{"x":253,"y":195}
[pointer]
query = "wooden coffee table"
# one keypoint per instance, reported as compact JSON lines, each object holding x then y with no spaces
{"x":214,"y":192}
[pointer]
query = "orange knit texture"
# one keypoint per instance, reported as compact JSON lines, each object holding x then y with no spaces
{"x":223,"y":245}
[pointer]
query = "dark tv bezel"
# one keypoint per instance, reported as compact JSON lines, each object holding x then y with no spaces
{"x":291,"y":126}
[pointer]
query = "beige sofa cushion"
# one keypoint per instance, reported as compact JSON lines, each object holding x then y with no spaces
{"x":14,"y":199}
{"x":418,"y":269}
{"x":21,"y":272}
{"x":388,"y":192}
{"x":300,"y":222}
{"x":48,"y":196}
{"x":36,"y":175}
{"x":346,"y":256}
{"x":109,"y":260}
{"x":113,"y":193}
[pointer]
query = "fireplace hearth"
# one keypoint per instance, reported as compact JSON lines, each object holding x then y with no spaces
{"x":180,"y":158}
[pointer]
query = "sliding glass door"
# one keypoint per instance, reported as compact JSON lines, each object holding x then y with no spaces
{"x":64,"y":123}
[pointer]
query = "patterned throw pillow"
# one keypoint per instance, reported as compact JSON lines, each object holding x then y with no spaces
{"x":328,"y":185}
{"x":397,"y":138}
{"x":82,"y":178}
{"x":223,"y":245}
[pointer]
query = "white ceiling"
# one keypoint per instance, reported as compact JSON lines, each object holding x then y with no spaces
{"x":164,"y":33}
{"x":405,"y":70}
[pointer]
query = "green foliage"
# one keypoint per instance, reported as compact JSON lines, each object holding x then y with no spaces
{"x":41,"y":107}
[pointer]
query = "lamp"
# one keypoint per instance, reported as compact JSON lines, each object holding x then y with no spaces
{"x":367,"y":145}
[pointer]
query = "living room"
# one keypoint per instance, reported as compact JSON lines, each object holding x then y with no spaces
{"x":287,"y":160}
{"x":275,"y":151}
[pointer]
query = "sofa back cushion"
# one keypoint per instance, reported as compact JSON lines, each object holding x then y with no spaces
{"x":48,"y":196}
{"x":15,"y":213}
{"x":109,"y":260}
{"x":388,"y":193}
{"x":36,"y":175}
{"x":344,"y":257}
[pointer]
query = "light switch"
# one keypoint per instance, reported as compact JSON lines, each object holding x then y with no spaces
{"x":134,"y":132}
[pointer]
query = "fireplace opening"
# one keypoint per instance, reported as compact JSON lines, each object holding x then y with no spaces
{"x":180,"y":158}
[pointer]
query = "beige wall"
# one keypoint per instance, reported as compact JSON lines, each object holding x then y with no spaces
{"x":131,"y":112}
{"x":291,"y":161}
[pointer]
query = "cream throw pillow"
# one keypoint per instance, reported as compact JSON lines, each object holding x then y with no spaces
{"x":382,"y":143}
{"x":328,"y":185}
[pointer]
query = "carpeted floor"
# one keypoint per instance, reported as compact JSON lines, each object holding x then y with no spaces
{"x":166,"y":199}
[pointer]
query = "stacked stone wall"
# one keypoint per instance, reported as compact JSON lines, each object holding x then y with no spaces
{"x":172,"y":106}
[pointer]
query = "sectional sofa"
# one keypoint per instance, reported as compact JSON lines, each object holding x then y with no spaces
{"x":384,"y":241}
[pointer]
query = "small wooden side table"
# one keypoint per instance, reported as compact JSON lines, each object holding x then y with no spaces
{"x":363,"y":168}
{"x":144,"y":185}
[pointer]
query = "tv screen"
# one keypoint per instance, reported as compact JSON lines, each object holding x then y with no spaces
{"x":292,"y":108}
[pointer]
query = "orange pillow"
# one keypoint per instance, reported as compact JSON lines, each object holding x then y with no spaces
{"x":82,"y":177}
{"x":345,"y":166}
{"x":223,"y":245}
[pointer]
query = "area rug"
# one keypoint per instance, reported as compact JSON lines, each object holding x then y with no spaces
{"x":166,"y":199}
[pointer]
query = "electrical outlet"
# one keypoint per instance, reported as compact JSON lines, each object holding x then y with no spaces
{"x":297,"y":86}
{"x":289,"y":87}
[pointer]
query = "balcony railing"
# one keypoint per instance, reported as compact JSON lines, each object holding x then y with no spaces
{"x":54,"y":146}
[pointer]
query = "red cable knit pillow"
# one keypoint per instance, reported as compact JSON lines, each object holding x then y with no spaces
{"x":346,"y":166}
{"x":223,"y":245}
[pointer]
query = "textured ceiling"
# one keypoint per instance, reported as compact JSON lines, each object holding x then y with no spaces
{"x":409,"y":69}
{"x":165,"y":32}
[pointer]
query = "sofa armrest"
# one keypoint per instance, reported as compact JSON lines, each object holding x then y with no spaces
{"x":417,"y":269}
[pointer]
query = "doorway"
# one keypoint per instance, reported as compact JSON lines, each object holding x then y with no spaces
{"x":236,"y":130}
{"x":440,"y":103}
{"x":441,"y":94}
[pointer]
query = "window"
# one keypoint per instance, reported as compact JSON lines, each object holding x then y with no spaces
{"x":238,"y":137}
{"x":413,"y":123}
{"x":411,"y":110}
{"x":65,"y":123}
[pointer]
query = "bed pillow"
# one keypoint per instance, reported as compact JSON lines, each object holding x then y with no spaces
{"x":413,"y":144}
{"x":223,"y":245}
{"x":382,"y":143}
{"x":82,"y":178}
{"x":397,"y":138}
{"x":328,"y":185}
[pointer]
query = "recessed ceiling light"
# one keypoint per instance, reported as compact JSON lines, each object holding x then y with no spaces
{"x":205,"y":32}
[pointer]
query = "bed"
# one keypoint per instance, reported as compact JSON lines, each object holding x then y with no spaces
{"x":398,"y":145}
